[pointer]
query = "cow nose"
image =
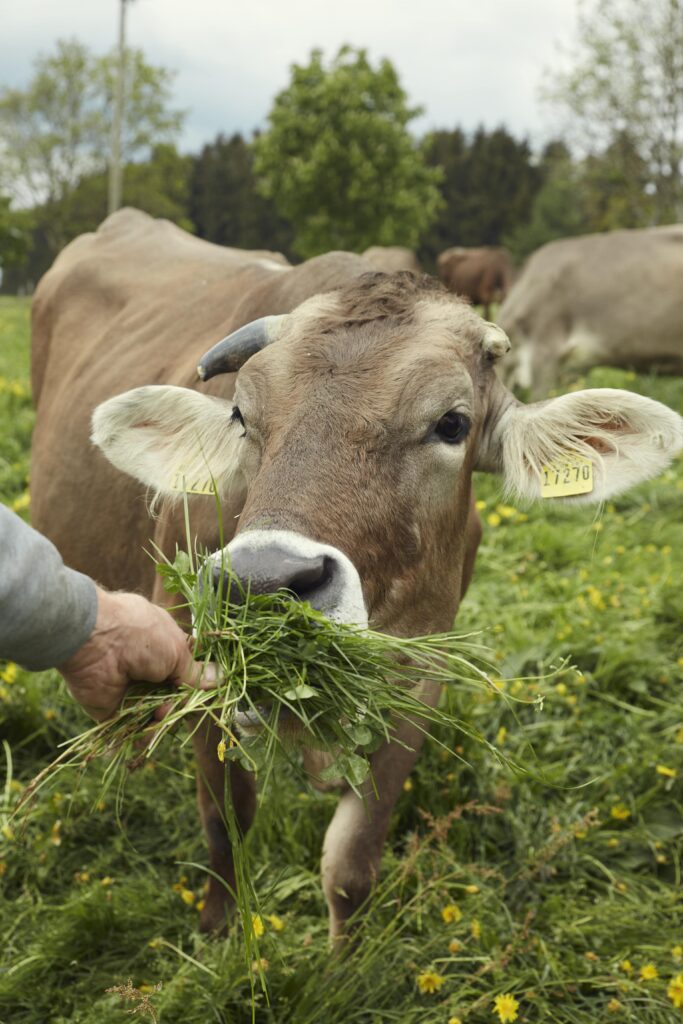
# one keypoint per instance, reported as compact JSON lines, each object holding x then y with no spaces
{"x":271,"y":567}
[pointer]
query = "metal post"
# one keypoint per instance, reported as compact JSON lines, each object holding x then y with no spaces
{"x":115,"y":167}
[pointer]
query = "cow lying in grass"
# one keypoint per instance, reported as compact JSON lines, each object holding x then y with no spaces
{"x":342,"y":423}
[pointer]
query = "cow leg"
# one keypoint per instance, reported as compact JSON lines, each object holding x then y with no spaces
{"x":354,"y":840}
{"x":212,"y":779}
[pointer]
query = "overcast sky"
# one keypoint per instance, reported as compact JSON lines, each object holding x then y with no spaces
{"x":466,"y":61}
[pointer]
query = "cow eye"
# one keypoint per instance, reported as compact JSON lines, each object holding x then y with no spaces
{"x":452,"y":428}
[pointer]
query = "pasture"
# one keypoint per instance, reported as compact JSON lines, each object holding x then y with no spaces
{"x":564,"y":895}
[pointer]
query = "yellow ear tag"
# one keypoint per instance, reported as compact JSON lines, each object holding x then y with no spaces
{"x":564,"y":477}
{"x":181,"y":483}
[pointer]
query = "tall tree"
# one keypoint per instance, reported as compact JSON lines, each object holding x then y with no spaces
{"x":58,"y":129}
{"x":489,"y":183}
{"x":626,"y":81}
{"x":225,"y":205}
{"x":338,"y":160}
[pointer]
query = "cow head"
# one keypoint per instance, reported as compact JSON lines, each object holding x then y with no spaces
{"x":355,"y":427}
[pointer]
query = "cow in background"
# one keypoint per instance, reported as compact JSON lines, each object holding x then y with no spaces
{"x":392,"y":258}
{"x":613,"y":299}
{"x":483,"y":275}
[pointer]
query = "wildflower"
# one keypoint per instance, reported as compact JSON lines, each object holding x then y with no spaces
{"x":561,"y":689}
{"x":675,"y":991}
{"x":407,"y":785}
{"x":669,"y":773}
{"x":506,"y":511}
{"x":257,"y":925}
{"x":451,"y":913}
{"x":454,"y":1020}
{"x":626,"y":966}
{"x":275,"y":922}
{"x":55,"y":833}
{"x":220,"y":750}
{"x":481,"y":505}
{"x":429,"y":981}
{"x":493,"y":519}
{"x":453,"y":946}
{"x":106,"y":881}
{"x":591,"y":956}
{"x":187,"y":896}
{"x":613,"y":843}
{"x":677,"y":954}
{"x":260,"y":965}
{"x":21,"y":503}
{"x":9,"y":673}
{"x":614,"y":1006}
{"x":155,"y":943}
{"x":82,"y":877}
{"x":472,"y":889}
{"x":500,"y":736}
{"x":475,"y":929}
{"x":506,"y":1007}
{"x":648,"y":972}
{"x":620,"y":812}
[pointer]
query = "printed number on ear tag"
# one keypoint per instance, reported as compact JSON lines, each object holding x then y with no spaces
{"x":188,"y":486}
{"x":565,"y":477}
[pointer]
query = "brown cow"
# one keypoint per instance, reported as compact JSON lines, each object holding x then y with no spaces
{"x":482,"y":275}
{"x":343,"y":450}
{"x":390,"y":258}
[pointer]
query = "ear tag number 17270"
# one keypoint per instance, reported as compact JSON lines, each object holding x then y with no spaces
{"x":566,"y":477}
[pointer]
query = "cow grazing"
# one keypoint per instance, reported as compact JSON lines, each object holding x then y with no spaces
{"x":482,"y":275}
{"x":391,"y":258}
{"x":613,"y":299}
{"x":342,"y":417}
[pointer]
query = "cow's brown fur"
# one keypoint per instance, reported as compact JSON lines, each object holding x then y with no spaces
{"x":482,"y":275}
{"x":339,"y":405}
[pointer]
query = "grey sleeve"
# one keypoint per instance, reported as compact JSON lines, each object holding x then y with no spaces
{"x":47,"y":611}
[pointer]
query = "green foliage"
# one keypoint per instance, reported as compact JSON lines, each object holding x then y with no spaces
{"x":489,"y":182}
{"x":625,"y":82}
{"x":13,"y":234}
{"x":225,"y":205}
{"x":57,"y":130}
{"x":338,"y":160}
{"x":553,"y":898}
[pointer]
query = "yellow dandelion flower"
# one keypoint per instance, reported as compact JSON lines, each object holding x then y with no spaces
{"x":407,"y":785}
{"x":275,"y":922}
{"x":493,"y":519}
{"x":187,"y":896}
{"x":454,"y":1020}
{"x":669,"y":773}
{"x":506,"y":511}
{"x":257,"y":925}
{"x":648,"y":972}
{"x":475,"y":929}
{"x":591,"y":956}
{"x":506,"y":1007}
{"x":9,"y":673}
{"x":199,"y":906}
{"x":106,"y":881}
{"x":614,"y":1006}
{"x":675,"y":991}
{"x":220,"y":751}
{"x":451,"y":913}
{"x":620,"y":812}
{"x":481,"y":505}
{"x":454,"y":946}
{"x":501,"y":735}
{"x":429,"y":981}
{"x":613,"y":843}
{"x":472,"y":889}
{"x":626,"y":966}
{"x":677,"y":954}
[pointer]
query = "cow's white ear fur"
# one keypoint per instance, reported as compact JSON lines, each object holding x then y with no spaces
{"x":628,"y":438}
{"x":168,"y":438}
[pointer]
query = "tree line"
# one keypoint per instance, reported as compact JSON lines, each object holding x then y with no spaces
{"x":338,"y":165}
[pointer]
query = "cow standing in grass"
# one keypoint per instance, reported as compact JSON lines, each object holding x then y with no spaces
{"x":341,"y":418}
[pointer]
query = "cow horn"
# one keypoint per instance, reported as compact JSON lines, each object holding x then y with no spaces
{"x":232,"y":352}
{"x":495,"y":341}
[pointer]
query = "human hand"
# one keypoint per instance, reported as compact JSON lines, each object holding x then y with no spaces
{"x":133,"y":640}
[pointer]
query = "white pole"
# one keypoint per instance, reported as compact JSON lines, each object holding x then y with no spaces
{"x":115,"y":167}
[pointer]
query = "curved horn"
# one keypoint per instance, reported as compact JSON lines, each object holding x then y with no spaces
{"x":231,"y":353}
{"x":495,"y":341}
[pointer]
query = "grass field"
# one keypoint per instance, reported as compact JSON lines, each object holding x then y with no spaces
{"x":566,"y":897}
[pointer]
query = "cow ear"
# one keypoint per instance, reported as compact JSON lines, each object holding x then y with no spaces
{"x":616,"y":439}
{"x":170,"y":439}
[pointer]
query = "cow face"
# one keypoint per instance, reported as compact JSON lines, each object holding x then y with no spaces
{"x":352,"y":438}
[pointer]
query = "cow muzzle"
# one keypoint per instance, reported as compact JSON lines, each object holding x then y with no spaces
{"x":268,"y":561}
